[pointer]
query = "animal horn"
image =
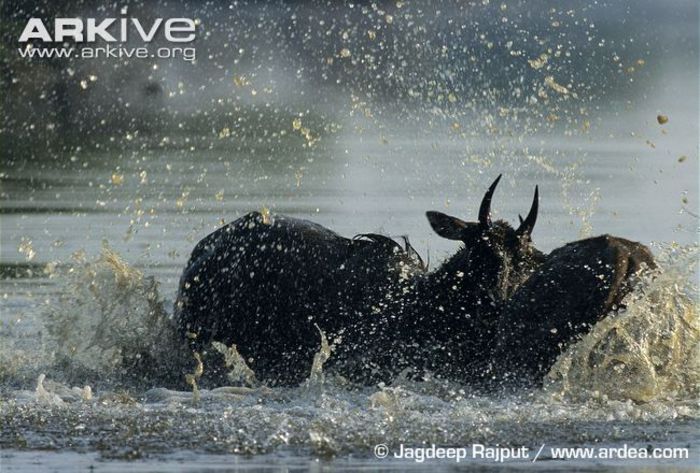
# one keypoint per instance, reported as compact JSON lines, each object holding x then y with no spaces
{"x":527,"y":225}
{"x":485,"y":208}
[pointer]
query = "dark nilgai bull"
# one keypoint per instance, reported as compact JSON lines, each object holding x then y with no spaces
{"x":497,"y":310}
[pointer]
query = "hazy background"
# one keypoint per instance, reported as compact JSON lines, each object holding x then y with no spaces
{"x":360,"y":116}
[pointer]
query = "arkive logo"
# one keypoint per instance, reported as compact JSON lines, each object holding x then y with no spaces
{"x":175,"y":30}
{"x":42,"y":40}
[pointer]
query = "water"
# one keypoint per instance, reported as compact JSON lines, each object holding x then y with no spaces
{"x":94,"y":238}
{"x":79,"y":319}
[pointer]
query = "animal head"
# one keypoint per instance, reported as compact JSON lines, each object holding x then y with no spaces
{"x":497,"y":255}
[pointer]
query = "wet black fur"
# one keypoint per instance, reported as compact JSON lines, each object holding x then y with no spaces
{"x":497,"y":310}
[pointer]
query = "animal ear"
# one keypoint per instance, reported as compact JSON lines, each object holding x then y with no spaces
{"x":446,"y":226}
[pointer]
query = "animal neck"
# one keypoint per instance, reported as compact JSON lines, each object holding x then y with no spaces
{"x":469,"y":277}
{"x":453,"y":298}
{"x":452,"y":309}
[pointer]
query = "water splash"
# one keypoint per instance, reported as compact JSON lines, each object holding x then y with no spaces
{"x":658,"y":329}
{"x":239,"y":371}
{"x":192,"y":378}
{"x":316,"y":376}
{"x":56,"y":394}
{"x":109,"y":322}
{"x":649,"y":351}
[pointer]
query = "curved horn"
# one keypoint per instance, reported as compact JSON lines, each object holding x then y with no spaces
{"x":485,"y":208}
{"x":527,"y":225}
